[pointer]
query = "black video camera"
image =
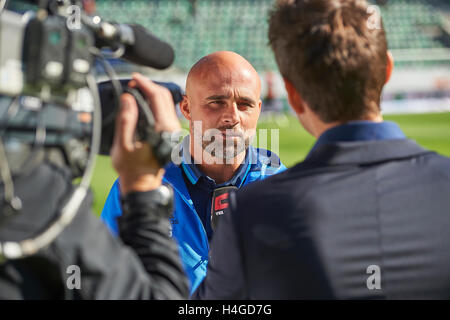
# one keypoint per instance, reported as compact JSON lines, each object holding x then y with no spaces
{"x":50,"y":106}
{"x":47,"y":78}
{"x":108,"y":98}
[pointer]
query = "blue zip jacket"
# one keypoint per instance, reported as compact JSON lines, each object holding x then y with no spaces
{"x":187,"y":227}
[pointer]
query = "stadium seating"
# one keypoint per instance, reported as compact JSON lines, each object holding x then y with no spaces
{"x":241,"y":26}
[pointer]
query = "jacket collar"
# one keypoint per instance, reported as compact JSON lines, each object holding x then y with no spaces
{"x":363,"y":152}
{"x":174,"y":175}
{"x":362,"y":142}
{"x":361,"y":131}
{"x":193,"y":173}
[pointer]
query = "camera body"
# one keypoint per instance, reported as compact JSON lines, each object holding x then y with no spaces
{"x":41,"y":57}
{"x":43,"y":71}
{"x":45,"y":61}
{"x":107,"y":100}
{"x":50,"y":107}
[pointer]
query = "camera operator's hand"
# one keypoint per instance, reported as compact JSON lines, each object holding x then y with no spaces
{"x":160,"y":101}
{"x":133,"y":160}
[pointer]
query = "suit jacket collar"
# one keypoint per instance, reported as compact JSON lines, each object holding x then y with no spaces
{"x":363,"y":152}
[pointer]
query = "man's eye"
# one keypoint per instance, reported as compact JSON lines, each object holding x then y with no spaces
{"x":245,"y":105}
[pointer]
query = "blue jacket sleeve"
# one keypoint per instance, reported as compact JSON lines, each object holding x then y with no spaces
{"x":112,"y":209}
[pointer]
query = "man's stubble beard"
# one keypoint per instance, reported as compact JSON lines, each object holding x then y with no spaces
{"x":221,"y":149}
{"x":224,"y":149}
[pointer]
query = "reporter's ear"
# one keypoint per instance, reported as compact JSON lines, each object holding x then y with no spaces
{"x":294,"y":98}
{"x":184,"y":107}
{"x":389,"y":66}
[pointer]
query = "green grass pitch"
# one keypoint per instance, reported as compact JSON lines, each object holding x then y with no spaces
{"x":430,"y":130}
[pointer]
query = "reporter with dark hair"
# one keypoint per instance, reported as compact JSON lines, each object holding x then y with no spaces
{"x":365,"y":215}
{"x":146,"y":265}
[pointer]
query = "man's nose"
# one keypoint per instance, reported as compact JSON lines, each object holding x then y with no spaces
{"x":231,"y":114}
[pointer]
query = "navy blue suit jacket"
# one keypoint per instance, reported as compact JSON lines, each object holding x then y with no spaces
{"x":322,"y":228}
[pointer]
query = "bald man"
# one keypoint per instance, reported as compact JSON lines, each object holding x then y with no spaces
{"x":222,"y":104}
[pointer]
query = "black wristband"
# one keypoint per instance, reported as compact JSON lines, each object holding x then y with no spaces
{"x":157,"y":202}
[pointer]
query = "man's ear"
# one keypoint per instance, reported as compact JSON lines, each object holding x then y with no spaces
{"x":389,"y":66}
{"x":184,"y":107}
{"x":295,"y":100}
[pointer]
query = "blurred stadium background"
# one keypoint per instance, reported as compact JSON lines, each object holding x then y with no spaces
{"x":417,"y":97}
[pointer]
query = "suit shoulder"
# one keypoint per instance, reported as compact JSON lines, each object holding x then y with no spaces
{"x":437,"y":162}
{"x":270,"y":185}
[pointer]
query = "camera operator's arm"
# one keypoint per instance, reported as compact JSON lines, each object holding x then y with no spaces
{"x":147,"y":205}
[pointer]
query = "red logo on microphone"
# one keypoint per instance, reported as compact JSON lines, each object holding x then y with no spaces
{"x":220,"y":202}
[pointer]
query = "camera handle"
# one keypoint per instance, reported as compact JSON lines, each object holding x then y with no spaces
{"x":160,"y":142}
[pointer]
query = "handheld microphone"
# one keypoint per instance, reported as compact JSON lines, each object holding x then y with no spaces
{"x":148,"y":50}
{"x":141,"y":47}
